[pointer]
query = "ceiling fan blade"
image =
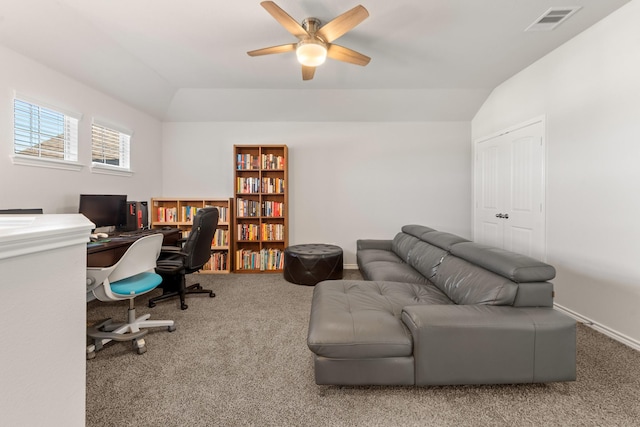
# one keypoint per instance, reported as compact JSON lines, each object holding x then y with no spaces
{"x":308,"y":72}
{"x":285,"y":19}
{"x":343,"y":23}
{"x":273,"y":49}
{"x":344,"y":54}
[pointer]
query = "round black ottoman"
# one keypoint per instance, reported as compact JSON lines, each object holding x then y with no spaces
{"x":312,"y":263}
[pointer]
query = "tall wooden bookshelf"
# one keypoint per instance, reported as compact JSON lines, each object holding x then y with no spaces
{"x":180,"y":212}
{"x":261,"y":222}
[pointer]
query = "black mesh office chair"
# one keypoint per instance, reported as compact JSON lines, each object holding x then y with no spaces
{"x":174,"y":265}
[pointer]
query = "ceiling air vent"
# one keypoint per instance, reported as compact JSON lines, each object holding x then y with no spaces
{"x":552,"y":18}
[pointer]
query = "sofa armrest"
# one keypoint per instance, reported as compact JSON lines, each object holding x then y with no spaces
{"x":481,"y":344}
{"x":363,"y":244}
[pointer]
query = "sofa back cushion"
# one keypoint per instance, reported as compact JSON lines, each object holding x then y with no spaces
{"x":465,"y":283}
{"x":416,"y":230}
{"x":442,"y":239}
{"x":517,"y":267}
{"x":402,"y":245}
{"x":426,"y":258}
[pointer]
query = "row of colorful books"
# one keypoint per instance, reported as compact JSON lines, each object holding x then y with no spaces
{"x":272,"y":231}
{"x":273,"y":185}
{"x":265,"y":259}
{"x":221,"y":238}
{"x":272,"y":209}
{"x":219,"y":261}
{"x":167,"y":214}
{"x":187,"y":213}
{"x":265,"y":232}
{"x":251,"y":208}
{"x":245,"y":185}
{"x":248,"y":208}
{"x":272,"y":161}
{"x":266,"y":161}
{"x":247,"y":162}
{"x":248,"y":232}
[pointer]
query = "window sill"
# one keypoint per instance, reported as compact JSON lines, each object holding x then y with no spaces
{"x":41,"y":162}
{"x":110,"y":170}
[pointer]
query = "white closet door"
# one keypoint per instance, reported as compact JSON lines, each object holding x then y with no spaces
{"x":509,"y":190}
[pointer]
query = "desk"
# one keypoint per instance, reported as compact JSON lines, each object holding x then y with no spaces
{"x":105,"y":254}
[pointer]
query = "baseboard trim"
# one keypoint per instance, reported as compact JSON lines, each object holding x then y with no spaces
{"x":611,"y":333}
{"x":350,"y":266}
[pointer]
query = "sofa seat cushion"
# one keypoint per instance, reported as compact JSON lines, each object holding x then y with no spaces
{"x":370,"y":255}
{"x":392,"y":272}
{"x":354,"y":319}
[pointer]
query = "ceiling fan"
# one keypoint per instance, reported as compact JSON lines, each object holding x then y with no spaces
{"x":315,"y":41}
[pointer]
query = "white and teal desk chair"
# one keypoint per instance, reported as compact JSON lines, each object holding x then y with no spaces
{"x":133,"y":275}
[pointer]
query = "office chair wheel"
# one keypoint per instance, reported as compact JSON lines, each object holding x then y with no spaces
{"x":91,"y":355}
{"x":140,"y":346}
{"x":152,"y":304}
{"x":183,"y":306}
{"x":212,"y":294}
{"x":171,"y":328}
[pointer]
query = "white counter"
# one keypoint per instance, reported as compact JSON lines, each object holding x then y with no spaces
{"x":43,"y":319}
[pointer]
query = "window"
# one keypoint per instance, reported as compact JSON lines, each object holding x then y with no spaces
{"x":44,"y":133}
{"x":109,"y":146}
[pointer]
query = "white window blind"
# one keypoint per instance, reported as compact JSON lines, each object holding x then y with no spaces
{"x":109,"y":146}
{"x":43,"y":132}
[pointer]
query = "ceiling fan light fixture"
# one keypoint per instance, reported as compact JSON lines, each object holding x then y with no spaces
{"x":311,"y":53}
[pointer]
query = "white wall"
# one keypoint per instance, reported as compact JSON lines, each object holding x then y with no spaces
{"x":346,"y":180}
{"x":589,"y":91}
{"x":43,"y":318}
{"x":57,"y":191}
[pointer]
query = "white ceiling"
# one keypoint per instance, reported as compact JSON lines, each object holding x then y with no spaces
{"x":186,"y":59}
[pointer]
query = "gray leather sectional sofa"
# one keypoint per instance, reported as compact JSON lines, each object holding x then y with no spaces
{"x":436,"y":309}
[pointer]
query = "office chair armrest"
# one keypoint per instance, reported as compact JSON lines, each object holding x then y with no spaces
{"x":169,"y":266}
{"x":170,"y":249}
{"x":172,"y":253}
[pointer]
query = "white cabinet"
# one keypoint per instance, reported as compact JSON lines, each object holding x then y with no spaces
{"x":509,"y":190}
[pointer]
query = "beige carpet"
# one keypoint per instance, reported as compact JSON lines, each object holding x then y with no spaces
{"x":241,"y":359}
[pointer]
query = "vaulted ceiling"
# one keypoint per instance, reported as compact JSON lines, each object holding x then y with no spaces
{"x":186,"y":60}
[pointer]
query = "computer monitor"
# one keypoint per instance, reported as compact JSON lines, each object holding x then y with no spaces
{"x":104,"y":210}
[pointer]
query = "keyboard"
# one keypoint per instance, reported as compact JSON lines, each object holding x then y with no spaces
{"x":137,"y":233}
